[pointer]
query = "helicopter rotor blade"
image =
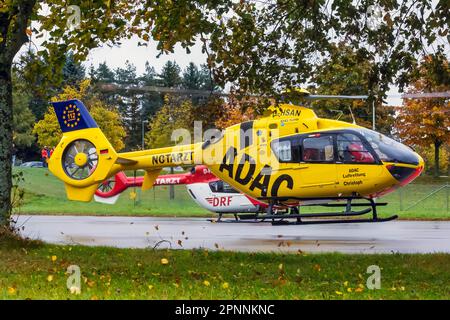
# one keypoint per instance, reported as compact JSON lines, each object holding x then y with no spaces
{"x":426,"y":95}
{"x":323,"y":97}
{"x":189,"y":92}
{"x":108,"y":87}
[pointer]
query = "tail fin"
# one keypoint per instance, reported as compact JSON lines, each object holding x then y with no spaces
{"x":84,"y":157}
{"x":72,"y":115}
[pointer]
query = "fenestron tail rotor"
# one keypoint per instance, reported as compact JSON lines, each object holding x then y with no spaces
{"x":80,"y":159}
{"x":105,"y":189}
{"x":106,"y":186}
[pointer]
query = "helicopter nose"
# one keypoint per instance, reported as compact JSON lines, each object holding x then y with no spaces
{"x":405,"y":173}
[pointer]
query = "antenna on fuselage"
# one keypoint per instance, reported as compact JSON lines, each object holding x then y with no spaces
{"x":339,"y":112}
{"x":351,"y":113}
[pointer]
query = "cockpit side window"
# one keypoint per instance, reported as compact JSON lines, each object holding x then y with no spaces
{"x":284,"y":151}
{"x":228,"y":189}
{"x":352,"y":150}
{"x":216,"y":186}
{"x":221,"y":187}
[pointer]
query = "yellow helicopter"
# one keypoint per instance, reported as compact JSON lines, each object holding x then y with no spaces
{"x":287,"y":158}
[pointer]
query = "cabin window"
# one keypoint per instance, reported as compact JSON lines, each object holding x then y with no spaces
{"x":318,"y":148}
{"x":284,"y":151}
{"x":287,"y":149}
{"x":222,"y":187}
{"x":351,"y":149}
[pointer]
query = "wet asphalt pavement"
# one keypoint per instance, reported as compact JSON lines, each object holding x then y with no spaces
{"x":189,"y":233}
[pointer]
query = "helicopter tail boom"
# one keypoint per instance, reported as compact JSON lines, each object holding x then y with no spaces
{"x":84,"y":157}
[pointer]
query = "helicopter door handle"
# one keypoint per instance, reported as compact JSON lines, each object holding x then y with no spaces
{"x":291,"y":168}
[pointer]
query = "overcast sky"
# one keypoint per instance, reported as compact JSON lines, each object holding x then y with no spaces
{"x":129,"y":50}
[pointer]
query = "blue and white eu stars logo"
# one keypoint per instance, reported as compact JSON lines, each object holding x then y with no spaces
{"x":71,"y":116}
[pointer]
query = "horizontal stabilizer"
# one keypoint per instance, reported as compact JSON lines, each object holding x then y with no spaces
{"x":150,"y":177}
{"x":84,"y":194}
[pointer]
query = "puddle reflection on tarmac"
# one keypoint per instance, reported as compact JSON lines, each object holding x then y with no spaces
{"x":145,"y":232}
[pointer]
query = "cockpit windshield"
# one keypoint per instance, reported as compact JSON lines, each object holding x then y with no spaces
{"x":389,"y":150}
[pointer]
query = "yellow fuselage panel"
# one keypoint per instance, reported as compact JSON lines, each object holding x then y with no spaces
{"x":302,"y":180}
{"x":250,"y":166}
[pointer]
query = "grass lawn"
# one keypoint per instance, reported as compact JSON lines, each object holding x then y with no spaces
{"x":38,"y":271}
{"x":46,"y":195}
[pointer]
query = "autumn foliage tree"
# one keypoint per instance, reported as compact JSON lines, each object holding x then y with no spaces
{"x":236,"y":111}
{"x":425,"y":122}
{"x":174,"y":114}
{"x":347,"y":72}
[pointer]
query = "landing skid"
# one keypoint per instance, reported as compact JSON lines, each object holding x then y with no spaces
{"x":296,"y":218}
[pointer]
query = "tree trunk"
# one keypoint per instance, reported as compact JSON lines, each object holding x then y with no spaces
{"x":6,"y":144}
{"x":13,"y":25}
{"x":436,"y":158}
